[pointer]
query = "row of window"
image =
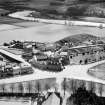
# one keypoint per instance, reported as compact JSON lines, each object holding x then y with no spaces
{"x":87,"y":60}
{"x":86,"y":53}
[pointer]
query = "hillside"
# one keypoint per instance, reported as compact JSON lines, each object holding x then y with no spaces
{"x":69,"y":8}
{"x":77,"y":39}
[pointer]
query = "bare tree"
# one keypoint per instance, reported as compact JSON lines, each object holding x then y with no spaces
{"x":47,"y":87}
{"x":92,"y":87}
{"x":29,"y":86}
{"x":12,"y":88}
{"x":3,"y":88}
{"x":82,"y":84}
{"x":38,"y":86}
{"x":56,"y":87}
{"x":73,"y":85}
{"x":21,"y":88}
{"x":100,"y":89}
{"x":64,"y":85}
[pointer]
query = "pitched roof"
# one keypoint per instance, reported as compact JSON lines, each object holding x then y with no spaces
{"x":80,"y":50}
{"x":72,"y":51}
{"x":100,"y":67}
{"x":53,"y":99}
{"x":97,"y":48}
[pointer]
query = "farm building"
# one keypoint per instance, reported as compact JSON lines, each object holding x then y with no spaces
{"x":85,"y":55}
{"x":44,"y":62}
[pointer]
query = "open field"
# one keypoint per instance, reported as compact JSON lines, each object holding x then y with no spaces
{"x":93,"y":19}
{"x":45,"y":32}
{"x":4,"y":27}
{"x":8,"y":20}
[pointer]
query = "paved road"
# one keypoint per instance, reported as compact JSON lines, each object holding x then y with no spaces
{"x":17,"y":57}
{"x":71,"y":71}
{"x":74,"y":71}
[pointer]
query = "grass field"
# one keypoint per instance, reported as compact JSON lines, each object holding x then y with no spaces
{"x":45,"y":32}
{"x":93,"y":19}
{"x":9,"y":20}
{"x":53,"y":30}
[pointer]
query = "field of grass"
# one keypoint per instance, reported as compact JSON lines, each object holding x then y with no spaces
{"x":42,"y":32}
{"x":9,"y":20}
{"x":93,"y":19}
{"x":76,"y":39}
{"x":4,"y":19}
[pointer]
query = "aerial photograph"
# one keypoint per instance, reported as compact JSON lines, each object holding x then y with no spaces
{"x":52,"y":52}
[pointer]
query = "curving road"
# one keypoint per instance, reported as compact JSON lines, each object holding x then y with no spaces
{"x":71,"y":71}
{"x":16,"y":57}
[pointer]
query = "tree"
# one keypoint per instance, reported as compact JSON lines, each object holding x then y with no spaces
{"x":64,"y":86}
{"x":3,"y":88}
{"x":12,"y":87}
{"x":21,"y":88}
{"x":73,"y":85}
{"x":38,"y":86}
{"x":92,"y":87}
{"x":29,"y":86}
{"x":76,"y":10}
{"x":100,"y":89}
{"x":5,"y":44}
{"x":55,"y":87}
{"x":47,"y":87}
{"x":82,"y":84}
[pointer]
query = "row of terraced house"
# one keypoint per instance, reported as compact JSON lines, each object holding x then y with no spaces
{"x":83,"y":54}
{"x":86,"y":54}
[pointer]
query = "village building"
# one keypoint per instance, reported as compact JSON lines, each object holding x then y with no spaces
{"x":44,"y":62}
{"x":53,"y":99}
{"x":85,"y":55}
